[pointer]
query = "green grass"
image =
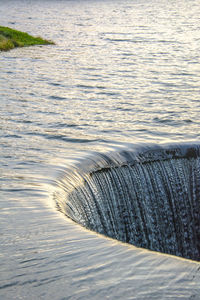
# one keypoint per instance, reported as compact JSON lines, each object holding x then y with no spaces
{"x":10,"y":38}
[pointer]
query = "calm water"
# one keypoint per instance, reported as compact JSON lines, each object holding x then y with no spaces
{"x":120,"y":72}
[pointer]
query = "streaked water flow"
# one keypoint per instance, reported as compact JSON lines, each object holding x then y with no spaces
{"x":149,"y":199}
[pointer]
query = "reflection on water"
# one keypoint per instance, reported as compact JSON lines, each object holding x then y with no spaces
{"x":120,"y":72}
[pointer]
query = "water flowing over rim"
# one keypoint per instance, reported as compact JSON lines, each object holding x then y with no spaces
{"x":128,"y":153}
{"x":123,"y":193}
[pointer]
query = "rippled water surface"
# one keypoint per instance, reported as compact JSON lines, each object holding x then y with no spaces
{"x":120,"y":72}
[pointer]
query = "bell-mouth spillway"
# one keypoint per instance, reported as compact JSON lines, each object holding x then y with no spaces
{"x":145,"y":195}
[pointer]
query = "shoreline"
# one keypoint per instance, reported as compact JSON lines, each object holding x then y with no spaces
{"x":11,"y":38}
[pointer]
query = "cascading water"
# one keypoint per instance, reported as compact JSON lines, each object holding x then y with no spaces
{"x":148,"y":196}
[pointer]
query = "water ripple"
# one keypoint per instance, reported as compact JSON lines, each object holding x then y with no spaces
{"x":119,"y":73}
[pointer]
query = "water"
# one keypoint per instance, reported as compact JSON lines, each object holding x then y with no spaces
{"x":120,"y":72}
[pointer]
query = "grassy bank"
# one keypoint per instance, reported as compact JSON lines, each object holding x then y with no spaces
{"x":10,"y":38}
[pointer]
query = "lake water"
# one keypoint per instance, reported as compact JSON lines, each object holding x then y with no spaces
{"x":120,"y":72}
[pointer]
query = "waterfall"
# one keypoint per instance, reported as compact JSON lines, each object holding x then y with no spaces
{"x":148,"y":196}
